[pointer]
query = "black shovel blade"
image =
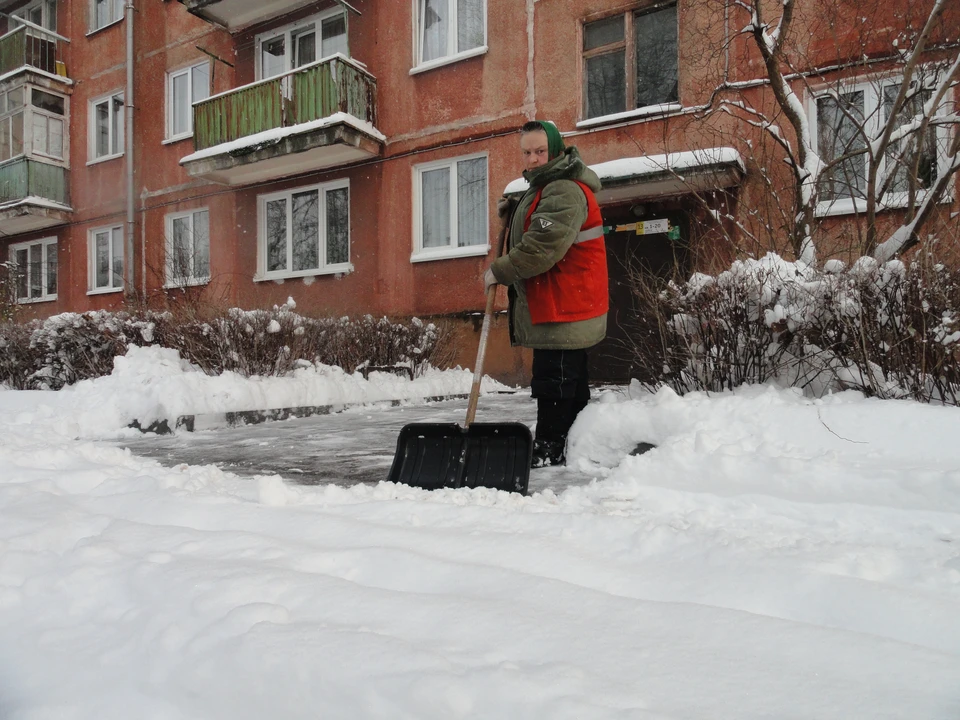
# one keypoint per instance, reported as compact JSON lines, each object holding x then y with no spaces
{"x":438,"y":455}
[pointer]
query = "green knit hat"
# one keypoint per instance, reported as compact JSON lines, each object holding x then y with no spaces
{"x":555,"y":144}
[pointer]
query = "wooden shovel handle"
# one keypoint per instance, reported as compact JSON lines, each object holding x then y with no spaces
{"x":485,"y":330}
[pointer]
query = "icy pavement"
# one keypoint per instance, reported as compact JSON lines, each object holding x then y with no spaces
{"x":347,"y":448}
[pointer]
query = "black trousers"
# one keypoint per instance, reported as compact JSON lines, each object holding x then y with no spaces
{"x":561,"y":386}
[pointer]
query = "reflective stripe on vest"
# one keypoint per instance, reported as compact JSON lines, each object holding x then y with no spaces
{"x":589,"y":234}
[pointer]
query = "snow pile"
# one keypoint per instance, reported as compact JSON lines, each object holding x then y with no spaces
{"x":152,"y":383}
{"x":774,"y":556}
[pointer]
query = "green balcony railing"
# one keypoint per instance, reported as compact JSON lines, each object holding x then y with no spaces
{"x":23,"y":177}
{"x":31,"y":46}
{"x":310,"y":93}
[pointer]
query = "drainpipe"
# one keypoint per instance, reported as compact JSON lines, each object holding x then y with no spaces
{"x":128,"y":141}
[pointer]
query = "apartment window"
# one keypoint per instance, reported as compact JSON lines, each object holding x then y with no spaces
{"x":630,"y":61}
{"x":450,"y":216}
{"x":105,"y":12}
{"x":106,"y":127}
{"x":43,"y":13}
{"x":35,"y":265}
{"x":842,"y":120}
{"x":106,"y":259}
{"x":188,"y":248}
{"x":185,"y":87}
{"x":301,"y":44}
{"x":305,"y":231}
{"x":11,"y":123}
{"x":47,"y":118}
{"x":448,"y":28}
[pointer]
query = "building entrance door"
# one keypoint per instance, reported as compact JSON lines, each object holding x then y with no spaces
{"x":648,"y":239}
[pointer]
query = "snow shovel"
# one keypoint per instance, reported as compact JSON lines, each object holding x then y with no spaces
{"x":445,"y":455}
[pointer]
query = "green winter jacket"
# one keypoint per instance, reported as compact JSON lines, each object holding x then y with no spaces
{"x":565,"y":207}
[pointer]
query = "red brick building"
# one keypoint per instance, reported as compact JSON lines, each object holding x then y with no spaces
{"x":349,"y":154}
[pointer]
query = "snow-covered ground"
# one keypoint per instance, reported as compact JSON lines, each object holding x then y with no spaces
{"x":774,"y":557}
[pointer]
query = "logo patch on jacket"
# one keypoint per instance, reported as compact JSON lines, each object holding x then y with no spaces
{"x":544,"y":223}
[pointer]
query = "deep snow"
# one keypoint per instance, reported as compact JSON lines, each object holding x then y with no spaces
{"x":774,"y":557}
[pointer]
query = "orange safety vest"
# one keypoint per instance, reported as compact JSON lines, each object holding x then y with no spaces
{"x":576,"y":287}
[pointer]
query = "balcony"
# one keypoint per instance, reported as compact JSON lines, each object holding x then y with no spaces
{"x":33,"y":195}
{"x":319,"y":116}
{"x":30,"y":47}
{"x":235,"y":15}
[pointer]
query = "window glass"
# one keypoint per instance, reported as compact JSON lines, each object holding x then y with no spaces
{"x":334,"y":32}
{"x":304,"y":47}
{"x":276,"y":235}
{"x":655,"y":37}
{"x":901,"y":158}
{"x":306,"y":230}
{"x":272,"y":57}
{"x":837,"y":134}
{"x":16,"y":134}
{"x":469,"y":24}
{"x":182,"y":259}
{"x":117,"y":250}
{"x":48,"y":101}
{"x":201,"y":244}
{"x":51,"y":268}
{"x":40,"y":133}
{"x":36,"y":271}
{"x":472,"y":202}
{"x":606,"y":84}
{"x":435,"y":194}
{"x":102,"y":119}
{"x":200,"y":82}
{"x":102,"y":259}
{"x":338,"y":226}
{"x":434,"y":23}
{"x":4,"y":139}
{"x":180,"y":89}
{"x":23,"y":271}
{"x":15,"y":98}
{"x":603,"y":32}
{"x":117,"y":124}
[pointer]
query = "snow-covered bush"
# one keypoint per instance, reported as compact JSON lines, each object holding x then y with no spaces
{"x":889,"y":330}
{"x":66,"y":348}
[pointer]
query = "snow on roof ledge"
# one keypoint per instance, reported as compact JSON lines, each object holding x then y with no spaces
{"x":652,"y":164}
{"x":36,"y":200}
{"x":280,"y":133}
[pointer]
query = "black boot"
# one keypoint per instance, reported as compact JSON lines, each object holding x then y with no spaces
{"x":554,"y":418}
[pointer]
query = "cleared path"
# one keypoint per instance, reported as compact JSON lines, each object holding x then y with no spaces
{"x":355,"y":446}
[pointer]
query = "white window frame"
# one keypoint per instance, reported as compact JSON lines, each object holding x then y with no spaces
{"x":22,"y":110}
{"x":64,"y":119}
{"x":118,"y":8}
{"x":45,"y":13}
{"x":92,"y":288}
{"x":288,"y":31}
{"x":171,"y":75}
{"x":422,"y":254}
{"x":171,"y":281}
{"x":323,"y":268}
{"x":453,"y":54}
{"x":45,"y":243}
{"x":92,"y":127}
{"x":872,"y":89}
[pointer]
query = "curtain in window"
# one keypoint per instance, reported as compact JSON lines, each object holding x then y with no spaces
{"x":435,"y":199}
{"x":304,"y":47}
{"x":306,"y":231}
{"x":272,"y":57}
{"x":276,"y":235}
{"x":838,"y":134}
{"x":472,"y":202}
{"x":469,"y":24}
{"x":338,"y":226}
{"x":434,"y":22}
{"x":655,"y":36}
{"x":334,"y":36}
